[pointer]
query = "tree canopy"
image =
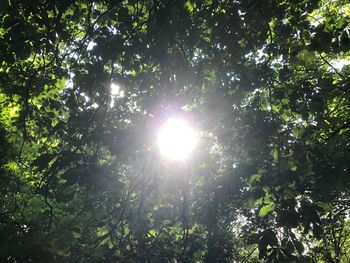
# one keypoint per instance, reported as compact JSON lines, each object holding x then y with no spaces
{"x":85,"y":87}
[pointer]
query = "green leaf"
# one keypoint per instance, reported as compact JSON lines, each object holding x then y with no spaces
{"x":326,"y":207}
{"x":275,"y":154}
{"x":293,"y":167}
{"x":254,"y":177}
{"x":266,"y":209}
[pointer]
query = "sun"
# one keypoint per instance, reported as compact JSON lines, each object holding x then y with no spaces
{"x":176,"y":140}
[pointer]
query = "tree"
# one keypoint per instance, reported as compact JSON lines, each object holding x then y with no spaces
{"x":84,"y":86}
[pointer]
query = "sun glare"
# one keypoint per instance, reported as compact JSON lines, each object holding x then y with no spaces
{"x":176,"y":139}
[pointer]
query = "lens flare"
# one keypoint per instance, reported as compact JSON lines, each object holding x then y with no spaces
{"x":176,"y":139}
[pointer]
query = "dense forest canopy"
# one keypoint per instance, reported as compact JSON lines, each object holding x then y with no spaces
{"x":85,"y":87}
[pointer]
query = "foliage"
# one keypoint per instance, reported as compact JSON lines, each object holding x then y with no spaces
{"x":267,"y":84}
